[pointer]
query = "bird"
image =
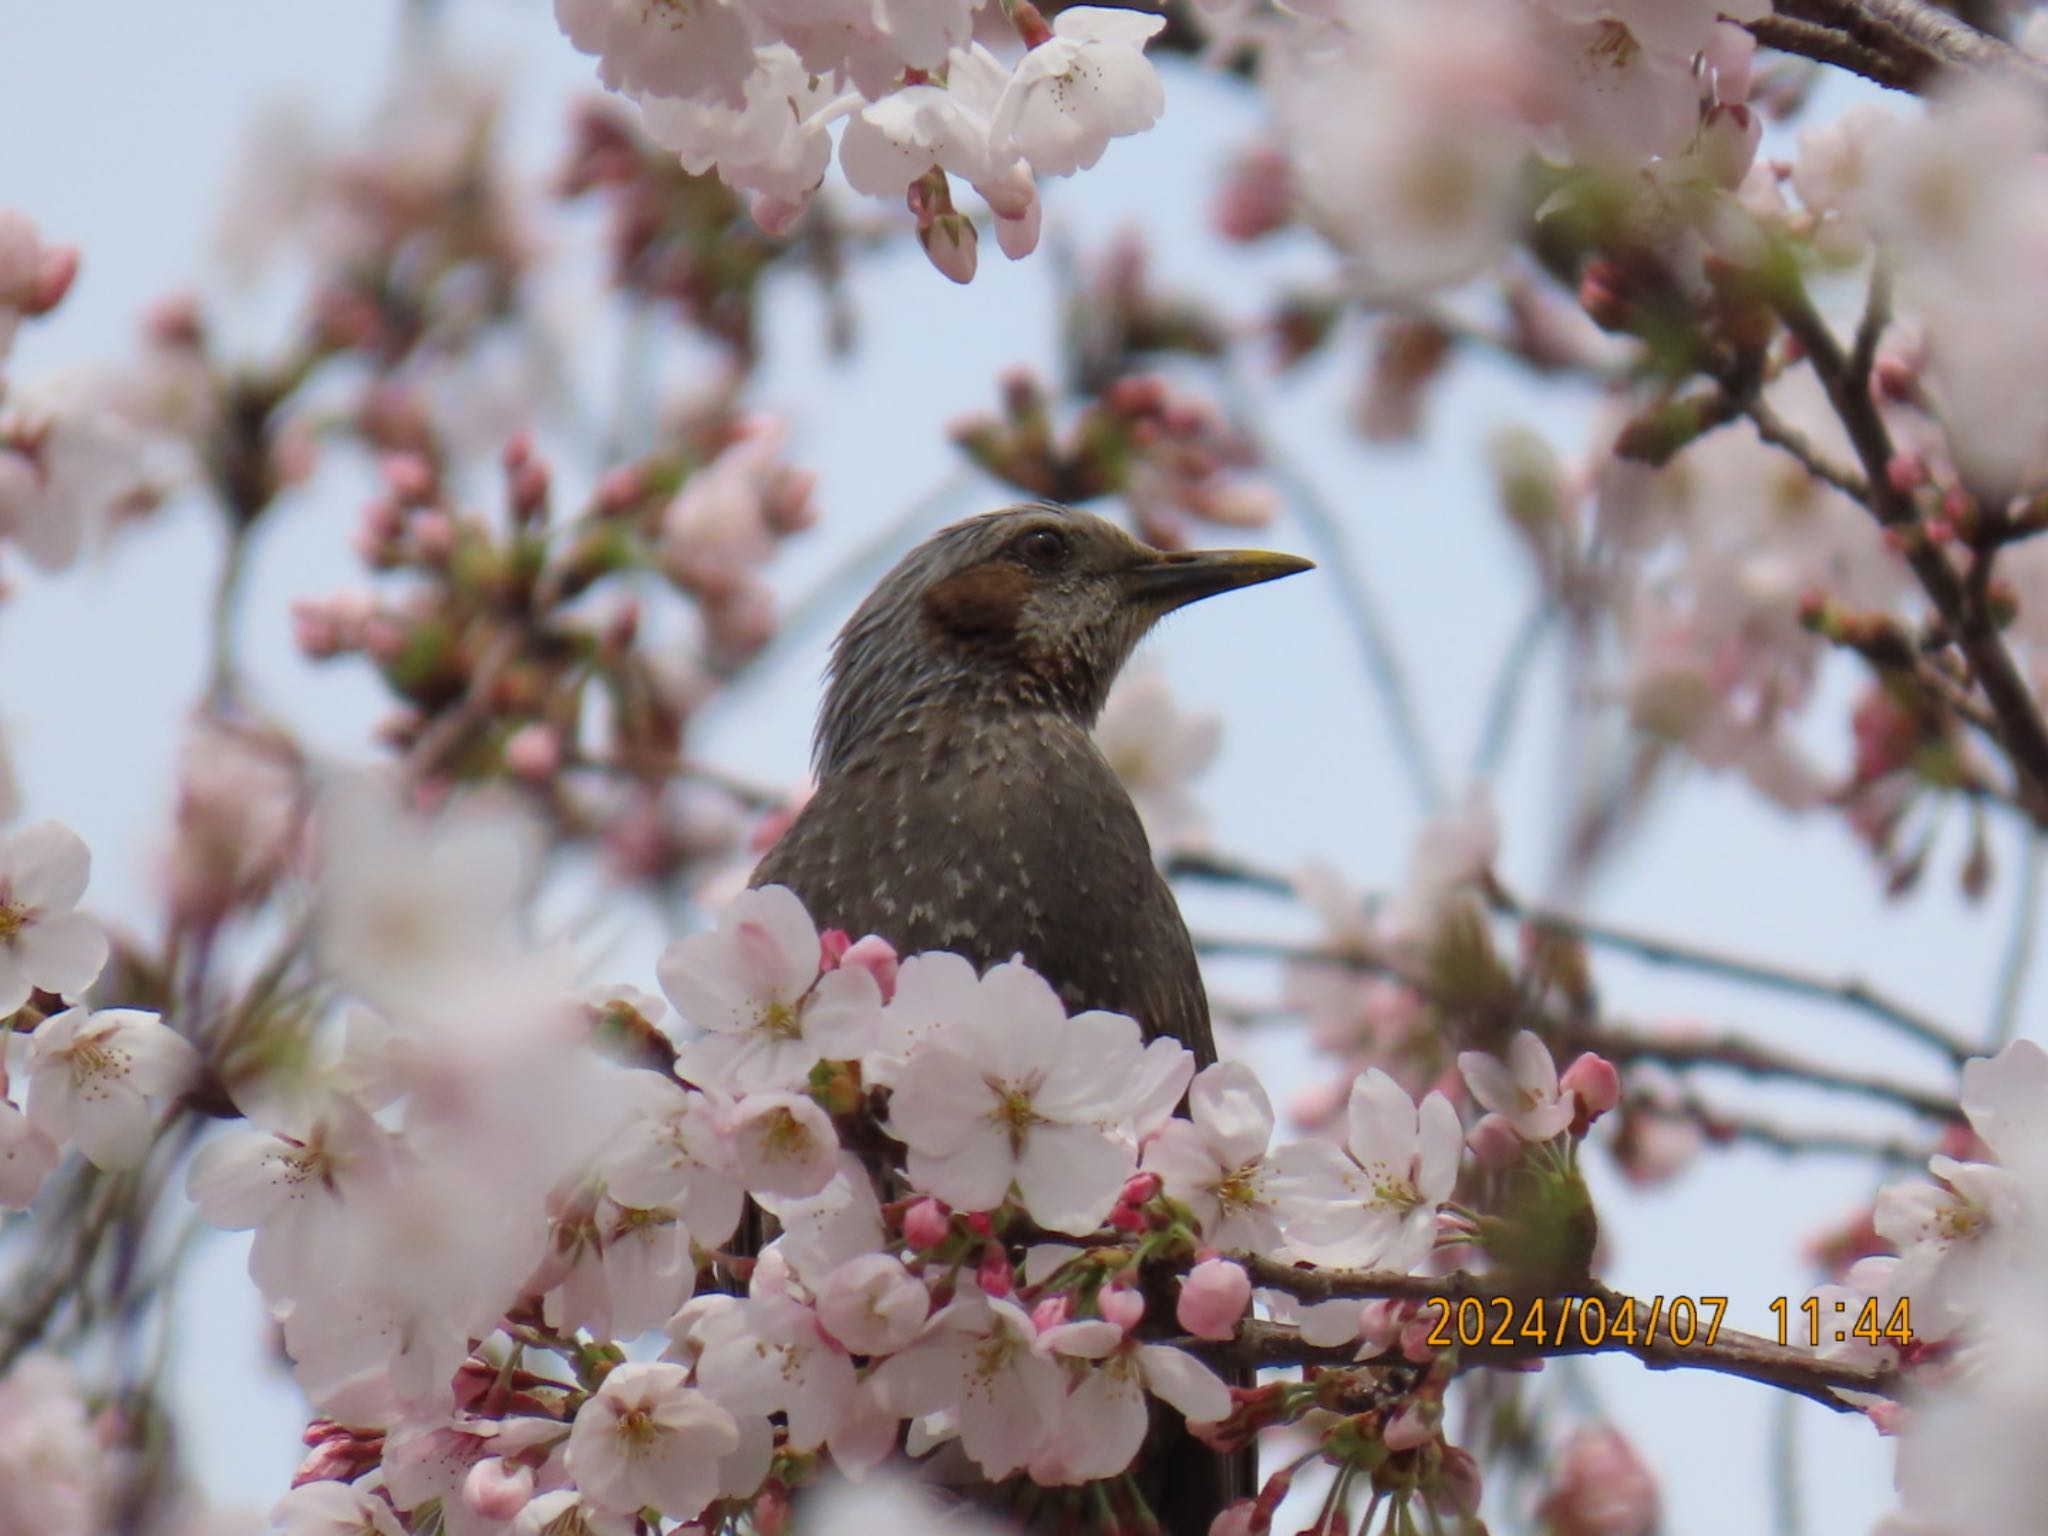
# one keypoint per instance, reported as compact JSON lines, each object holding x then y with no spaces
{"x":962,"y":804}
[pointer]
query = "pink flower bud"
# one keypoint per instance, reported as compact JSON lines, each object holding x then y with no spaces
{"x":1495,"y":1142}
{"x":1213,"y":1299}
{"x":496,"y":1489}
{"x":620,"y":490}
{"x":1906,"y":472}
{"x":409,"y":476}
{"x":949,"y":240}
{"x":1051,"y":1312}
{"x":1600,"y":1488}
{"x":1409,"y":1429}
{"x":55,"y":272}
{"x":776,"y":216}
{"x":1140,"y":1188}
{"x":994,"y":1273}
{"x":877,"y":956}
{"x":926,"y":1224}
{"x":1243,"y":1518}
{"x":1122,"y":1305}
{"x":1593,"y":1081}
{"x":534,"y":753}
{"x":1018,"y":237}
{"x":833,"y":944}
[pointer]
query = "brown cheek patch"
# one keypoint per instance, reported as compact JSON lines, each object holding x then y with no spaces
{"x":982,"y":607}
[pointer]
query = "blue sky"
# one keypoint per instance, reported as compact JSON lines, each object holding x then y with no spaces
{"x":122,"y":126}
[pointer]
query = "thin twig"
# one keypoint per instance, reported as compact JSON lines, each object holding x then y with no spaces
{"x":1824,"y":45}
{"x":1732,"y":1052}
{"x":1503,"y":706}
{"x":2018,"y":961}
{"x":2021,"y":728}
{"x":1731,"y":1353}
{"x":1848,"y":991}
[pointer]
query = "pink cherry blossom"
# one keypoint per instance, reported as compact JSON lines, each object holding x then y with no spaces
{"x":784,"y":1144}
{"x":618,"y":1272}
{"x":1017,"y":1092}
{"x":27,"y":1157}
{"x":1215,"y":1161}
{"x":755,"y":989}
{"x":1600,"y":1487}
{"x":43,"y":942}
{"x":1105,"y":1418}
{"x":978,"y":1358}
{"x":772,"y":1354}
{"x":1374,"y":1201}
{"x":1524,"y":1088}
{"x":896,"y":138}
{"x":675,"y":1151}
{"x":873,"y":1305}
{"x":333,"y":1509}
{"x":1158,"y":751}
{"x":56,"y":1478}
{"x":1213,"y":1298}
{"x":647,"y":1439}
{"x":91,"y":1076}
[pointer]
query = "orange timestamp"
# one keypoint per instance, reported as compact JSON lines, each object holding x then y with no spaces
{"x":1565,"y":1322}
{"x":1832,"y":1324}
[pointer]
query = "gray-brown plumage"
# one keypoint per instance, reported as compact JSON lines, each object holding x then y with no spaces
{"x":962,"y":803}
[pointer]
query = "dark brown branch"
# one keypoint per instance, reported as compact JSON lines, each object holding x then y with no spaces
{"x":2021,"y":729}
{"x":1621,"y":1044}
{"x":1731,"y":1353}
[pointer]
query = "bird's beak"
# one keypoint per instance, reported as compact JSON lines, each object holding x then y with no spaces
{"x":1168,"y":581}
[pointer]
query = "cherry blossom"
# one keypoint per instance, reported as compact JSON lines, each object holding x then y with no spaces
{"x":1374,"y":1201}
{"x":675,"y":1150}
{"x":55,"y":1475}
{"x":333,"y":1509}
{"x":873,"y":1305}
{"x":92,"y":1075}
{"x":43,"y":942}
{"x":285,"y":1185}
{"x":34,"y":275}
{"x":1089,"y":83}
{"x":978,"y":1357}
{"x":646,"y":1439}
{"x":27,"y":1157}
{"x":618,"y":1271}
{"x":1105,"y":1417}
{"x":784,"y":1144}
{"x":772,"y":1354}
{"x":755,"y":989}
{"x":1158,"y":751}
{"x":1016,"y":1092}
{"x":1524,"y":1088}
{"x":1215,"y":1161}
{"x":897,"y":138}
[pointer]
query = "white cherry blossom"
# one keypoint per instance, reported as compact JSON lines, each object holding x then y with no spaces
{"x":1374,"y":1201}
{"x":647,"y":1439}
{"x":92,"y":1075}
{"x":675,"y":1150}
{"x":978,"y":1358}
{"x":1215,"y":1161}
{"x":1104,"y":1420}
{"x":1018,"y":1092}
{"x":333,"y":1509}
{"x":1158,"y":750}
{"x":754,"y":987}
{"x":27,"y":1157}
{"x":285,"y":1185}
{"x":771,"y":1354}
{"x":43,"y":942}
{"x":1524,"y":1088}
{"x":784,"y":1144}
{"x":1088,"y":84}
{"x":873,"y":1305}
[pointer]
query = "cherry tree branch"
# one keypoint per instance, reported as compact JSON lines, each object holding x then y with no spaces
{"x":1730,"y":1353}
{"x":1657,"y":949}
{"x":1908,"y":45}
{"x":2021,"y":729}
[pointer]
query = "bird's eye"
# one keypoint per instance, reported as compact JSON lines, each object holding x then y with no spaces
{"x":1045,"y":548}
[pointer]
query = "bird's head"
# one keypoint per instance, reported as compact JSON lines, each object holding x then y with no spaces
{"x":1032,"y":607}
